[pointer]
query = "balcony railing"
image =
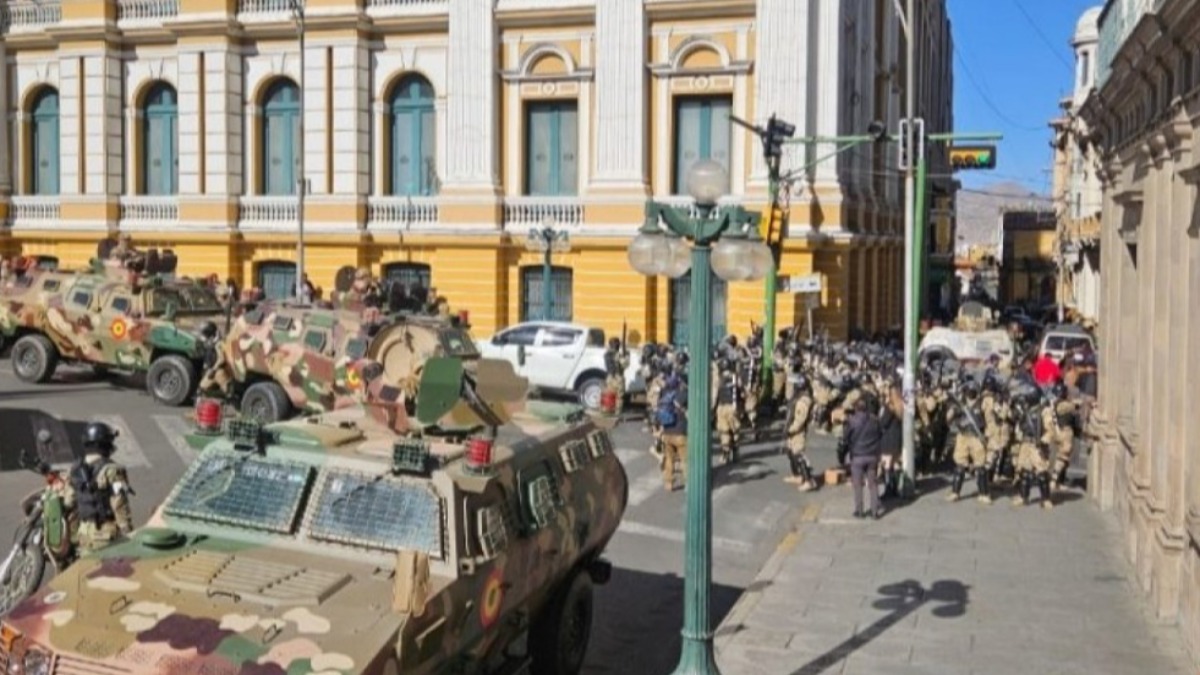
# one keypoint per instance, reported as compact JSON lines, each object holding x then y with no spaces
{"x":276,"y":7}
{"x":34,"y":209}
{"x":403,"y":6}
{"x":263,"y":212}
{"x":685,"y":202}
{"x":149,"y":210}
{"x":401,"y":211}
{"x":146,"y":10}
{"x":521,"y":212}
{"x":22,"y":15}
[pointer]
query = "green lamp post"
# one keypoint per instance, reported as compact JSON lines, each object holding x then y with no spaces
{"x":725,"y":239}
{"x":548,"y":241}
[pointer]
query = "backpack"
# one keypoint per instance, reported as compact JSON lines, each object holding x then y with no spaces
{"x":666,"y":415}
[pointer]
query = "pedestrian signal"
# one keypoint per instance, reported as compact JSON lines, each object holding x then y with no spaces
{"x":966,"y":157}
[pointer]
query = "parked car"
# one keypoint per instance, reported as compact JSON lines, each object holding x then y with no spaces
{"x":560,"y":357}
{"x":1062,"y":338}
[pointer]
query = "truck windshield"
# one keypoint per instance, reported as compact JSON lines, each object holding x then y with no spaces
{"x":458,"y":342}
{"x":243,"y":490}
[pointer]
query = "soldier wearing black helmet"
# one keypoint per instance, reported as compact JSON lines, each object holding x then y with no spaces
{"x":99,"y":491}
{"x":799,"y":415}
{"x":997,"y":422}
{"x":1064,"y":414}
{"x":616,"y":362}
{"x":969,"y":451}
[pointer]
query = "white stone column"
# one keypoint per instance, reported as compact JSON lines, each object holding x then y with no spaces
{"x":829,"y":81}
{"x":223,"y":122}
{"x":315,"y":98}
{"x":471,"y":91}
{"x":781,"y":82}
{"x":190,"y":96}
{"x":621,"y":95}
{"x":102,"y":134}
{"x":69,"y":112}
{"x":351,"y":111}
{"x":7,"y":184}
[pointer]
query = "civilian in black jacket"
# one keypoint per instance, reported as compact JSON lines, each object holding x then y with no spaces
{"x":890,"y":445}
{"x":862,"y":444}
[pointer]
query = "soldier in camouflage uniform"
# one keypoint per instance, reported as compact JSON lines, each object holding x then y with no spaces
{"x":969,"y":451}
{"x":1033,"y":437}
{"x":728,"y":393}
{"x":616,"y":361}
{"x":99,"y":491}
{"x":1065,"y":413}
{"x":799,"y":415}
{"x":997,"y":423}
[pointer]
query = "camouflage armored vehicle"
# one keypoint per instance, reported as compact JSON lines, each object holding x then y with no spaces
{"x":355,"y":541}
{"x":281,"y":358}
{"x":114,"y":317}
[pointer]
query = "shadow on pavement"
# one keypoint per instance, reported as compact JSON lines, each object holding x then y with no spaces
{"x":899,"y":600}
{"x":49,"y":390}
{"x":637,"y":622}
{"x":20,"y":427}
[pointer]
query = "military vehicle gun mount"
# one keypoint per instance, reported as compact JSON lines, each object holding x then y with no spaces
{"x":281,"y":358}
{"x":334,"y":544}
{"x":126,"y":314}
{"x":974,"y":337}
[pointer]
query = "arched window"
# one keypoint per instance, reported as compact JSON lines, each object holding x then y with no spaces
{"x":413,"y":167}
{"x":43,"y":143}
{"x":160,"y":141}
{"x":532,"y":297}
{"x":280,"y":138}
{"x":681,"y":299}
{"x":277,"y":279}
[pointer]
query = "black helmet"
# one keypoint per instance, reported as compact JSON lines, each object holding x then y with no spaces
{"x":1059,"y":390}
{"x":614,"y":343}
{"x":970,"y":389}
{"x":99,"y":436}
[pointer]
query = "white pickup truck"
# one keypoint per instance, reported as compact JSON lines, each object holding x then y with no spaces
{"x":561,"y":358}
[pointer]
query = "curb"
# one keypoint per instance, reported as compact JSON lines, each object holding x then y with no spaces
{"x":741,"y":609}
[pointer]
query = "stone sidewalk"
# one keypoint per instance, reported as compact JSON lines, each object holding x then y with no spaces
{"x":936,"y":587}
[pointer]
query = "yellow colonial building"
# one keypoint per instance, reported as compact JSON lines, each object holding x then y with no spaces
{"x":432,"y":135}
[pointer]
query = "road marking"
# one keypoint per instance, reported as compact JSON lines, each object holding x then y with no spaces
{"x":129,"y":451}
{"x":642,"y":529}
{"x":628,"y":456}
{"x":770,"y":515}
{"x":174,"y":428}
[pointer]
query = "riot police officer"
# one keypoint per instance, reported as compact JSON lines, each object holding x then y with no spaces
{"x":728,"y":404}
{"x":969,"y":451}
{"x":798,"y":417}
{"x":100,"y":491}
{"x":1065,"y":418}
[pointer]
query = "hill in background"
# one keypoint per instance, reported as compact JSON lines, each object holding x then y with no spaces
{"x":978,"y":210}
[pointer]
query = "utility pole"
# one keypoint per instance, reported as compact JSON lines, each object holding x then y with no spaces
{"x":909,"y":464}
{"x":301,"y":183}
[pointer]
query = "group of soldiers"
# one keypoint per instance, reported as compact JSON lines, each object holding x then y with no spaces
{"x":984,"y":421}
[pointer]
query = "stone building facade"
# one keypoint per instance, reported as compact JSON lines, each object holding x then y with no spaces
{"x":1146,"y":468}
{"x":437,"y":133}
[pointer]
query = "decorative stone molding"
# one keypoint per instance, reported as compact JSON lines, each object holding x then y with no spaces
{"x":675,"y":65}
{"x":700,"y":84}
{"x":524,"y":71}
{"x":549,"y":89}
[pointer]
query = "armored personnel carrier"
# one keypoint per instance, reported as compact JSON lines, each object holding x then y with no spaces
{"x":466,"y":539}
{"x":120,"y":314}
{"x":280,"y":358}
{"x":973,"y":338}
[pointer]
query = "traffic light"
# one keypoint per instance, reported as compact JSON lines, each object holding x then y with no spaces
{"x":777,"y":130}
{"x":966,"y":157}
{"x":771,"y":227}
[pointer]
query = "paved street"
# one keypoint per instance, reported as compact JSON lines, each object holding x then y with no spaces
{"x":638,"y":614}
{"x":948,"y":588}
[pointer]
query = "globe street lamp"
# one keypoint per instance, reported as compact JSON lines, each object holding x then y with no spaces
{"x":547,"y":241}
{"x":725,"y":239}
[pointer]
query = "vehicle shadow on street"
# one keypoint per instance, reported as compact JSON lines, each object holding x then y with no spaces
{"x":20,"y":428}
{"x":638,"y":618}
{"x":899,"y":600}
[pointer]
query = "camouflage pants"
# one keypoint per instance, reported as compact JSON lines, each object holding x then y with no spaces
{"x":674,"y":455}
{"x":1064,"y":445}
{"x":728,"y":426}
{"x":969,"y":451}
{"x":92,"y":537}
{"x":797,"y":444}
{"x":778,"y":382}
{"x":616,"y":385}
{"x":750,"y":406}
{"x":1031,"y":459}
{"x":997,"y":443}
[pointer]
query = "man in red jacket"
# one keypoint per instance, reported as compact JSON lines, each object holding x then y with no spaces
{"x":1046,"y":370}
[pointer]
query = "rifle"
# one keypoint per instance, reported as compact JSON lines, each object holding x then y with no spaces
{"x":624,"y":337}
{"x":963,"y":407}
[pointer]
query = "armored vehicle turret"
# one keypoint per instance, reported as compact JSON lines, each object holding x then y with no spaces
{"x":468,"y":544}
{"x":127,"y":314}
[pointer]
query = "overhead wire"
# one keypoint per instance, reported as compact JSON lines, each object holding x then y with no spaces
{"x":1045,"y":40}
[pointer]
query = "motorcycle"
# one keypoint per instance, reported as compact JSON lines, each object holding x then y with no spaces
{"x":44,"y":535}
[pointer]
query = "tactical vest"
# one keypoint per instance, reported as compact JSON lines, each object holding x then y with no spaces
{"x":93,"y":504}
{"x":610,"y":363}
{"x":971,"y":420}
{"x":1031,"y":425}
{"x":727,"y":393}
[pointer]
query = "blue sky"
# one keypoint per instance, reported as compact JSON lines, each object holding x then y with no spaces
{"x":1013,"y":63}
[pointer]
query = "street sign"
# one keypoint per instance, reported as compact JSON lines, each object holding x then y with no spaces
{"x":809,"y":283}
{"x":966,"y":157}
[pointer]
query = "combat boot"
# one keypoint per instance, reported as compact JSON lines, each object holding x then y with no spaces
{"x":956,"y":485}
{"x":982,"y":477}
{"x":797,"y":477}
{"x":1046,"y":490}
{"x":809,"y":483}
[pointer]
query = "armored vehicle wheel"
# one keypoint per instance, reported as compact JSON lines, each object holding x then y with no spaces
{"x":266,"y":402}
{"x":34,"y":359}
{"x":559,"y":636}
{"x":589,"y":392}
{"x":26,"y":565}
{"x":170,"y":379}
